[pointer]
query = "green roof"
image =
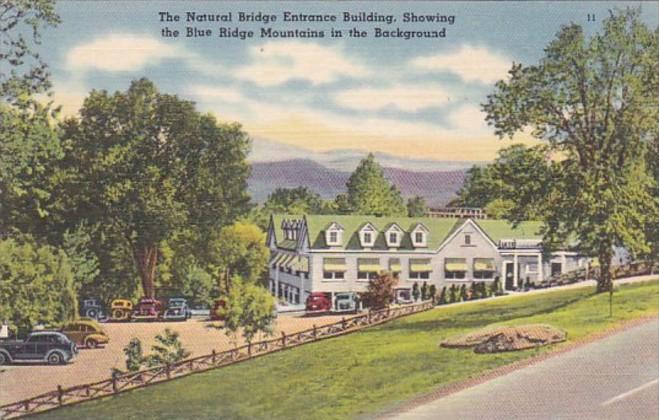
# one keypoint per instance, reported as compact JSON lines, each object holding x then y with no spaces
{"x":439,"y":228}
{"x":502,"y":229}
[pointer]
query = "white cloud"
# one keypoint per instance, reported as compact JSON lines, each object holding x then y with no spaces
{"x":119,"y":53}
{"x":467,"y":117}
{"x":408,"y":98}
{"x":205,"y":93}
{"x":469,"y":62}
{"x":275,"y":63}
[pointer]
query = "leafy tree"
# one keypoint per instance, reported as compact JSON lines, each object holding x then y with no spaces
{"x":416,"y":293}
{"x":518,"y":174}
{"x":76,"y":244}
{"x":380,"y":291}
{"x":370,"y":193}
{"x":134,"y":355}
{"x":416,"y":206}
{"x":238,"y":250}
{"x":249,"y":309}
{"x":453,"y":294}
{"x":432,"y":291}
{"x":300,"y":200}
{"x":24,"y":72}
{"x":36,"y":284}
{"x":442,"y":296}
{"x":148,"y":164}
{"x":593,"y":100}
{"x":424,"y":291}
{"x":199,"y":286}
{"x":463,"y":293}
{"x":167,"y":350}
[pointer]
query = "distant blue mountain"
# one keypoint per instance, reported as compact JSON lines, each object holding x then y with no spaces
{"x":437,"y":187}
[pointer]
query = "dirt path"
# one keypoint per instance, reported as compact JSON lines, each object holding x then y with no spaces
{"x":23,"y":381}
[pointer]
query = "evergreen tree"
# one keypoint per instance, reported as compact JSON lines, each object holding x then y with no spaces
{"x":370,"y":193}
{"x":463,"y":293}
{"x":415,"y":291}
{"x":416,"y":206}
{"x":442,"y":296}
{"x":453,"y":294}
{"x":424,"y":291}
{"x":432,"y":291}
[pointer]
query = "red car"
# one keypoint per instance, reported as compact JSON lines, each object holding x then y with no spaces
{"x":318,"y":302}
{"x":147,"y":310}
{"x":217,"y":305}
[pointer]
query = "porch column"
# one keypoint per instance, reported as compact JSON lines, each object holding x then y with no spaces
{"x":277,"y":282}
{"x":515,"y":273}
{"x":563,"y":263}
{"x":540,"y":273}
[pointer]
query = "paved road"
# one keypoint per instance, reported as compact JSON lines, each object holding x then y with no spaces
{"x":614,"y":378}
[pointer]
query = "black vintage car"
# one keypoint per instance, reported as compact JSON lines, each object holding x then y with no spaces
{"x":51,"y":347}
{"x":92,"y":308}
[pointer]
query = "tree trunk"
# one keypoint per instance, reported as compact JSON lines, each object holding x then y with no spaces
{"x":146,"y":258}
{"x":605,"y":280}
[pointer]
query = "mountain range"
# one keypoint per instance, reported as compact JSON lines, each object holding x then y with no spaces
{"x":277,"y":165}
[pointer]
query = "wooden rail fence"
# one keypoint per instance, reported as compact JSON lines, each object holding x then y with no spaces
{"x":637,"y":268}
{"x":125,"y":381}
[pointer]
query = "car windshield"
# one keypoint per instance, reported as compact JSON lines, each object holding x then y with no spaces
{"x":176,"y":303}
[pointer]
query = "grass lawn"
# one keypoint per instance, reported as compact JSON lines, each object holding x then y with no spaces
{"x":368,"y":371}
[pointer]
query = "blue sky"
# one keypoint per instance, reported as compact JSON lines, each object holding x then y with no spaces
{"x":410,"y":98}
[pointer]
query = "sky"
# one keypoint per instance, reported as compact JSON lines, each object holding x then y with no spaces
{"x":417,"y":98}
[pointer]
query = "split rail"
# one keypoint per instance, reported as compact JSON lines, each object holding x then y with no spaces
{"x":126,"y":381}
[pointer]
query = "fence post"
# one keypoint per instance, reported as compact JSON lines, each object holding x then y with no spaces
{"x":213,"y":356}
{"x":249,"y":349}
{"x":60,"y":393}
{"x":343,"y":323}
{"x":315,"y":331}
{"x":114,"y":382}
{"x":283,"y":339}
{"x":191,"y":365}
{"x":167,"y":371}
{"x":369,"y":315}
{"x":87,"y":390}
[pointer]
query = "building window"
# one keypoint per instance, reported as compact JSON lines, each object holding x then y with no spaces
{"x":419,"y":275}
{"x":483,"y":274}
{"x":366,"y":275}
{"x":367,"y":238}
{"x":334,"y":237}
{"x":393,"y":238}
{"x":455,"y":274}
{"x":333,"y":275}
{"x":467,"y":239}
{"x":418,"y":237}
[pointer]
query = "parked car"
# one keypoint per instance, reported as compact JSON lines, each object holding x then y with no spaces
{"x":120,"y":310}
{"x":51,"y":347}
{"x":217,"y":305}
{"x":86,"y":332}
{"x":92,"y":308}
{"x":318,"y":302}
{"x":147,"y":309}
{"x":346,"y":302}
{"x":177,"y":310}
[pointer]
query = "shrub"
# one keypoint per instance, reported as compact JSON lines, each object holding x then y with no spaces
{"x":472,"y":293}
{"x":463,"y":292}
{"x":432,"y":291}
{"x":380,"y":291}
{"x":495,"y":286}
{"x":453,"y":294}
{"x":424,"y":291}
{"x":415,"y":291}
{"x":134,"y":356}
{"x":168,"y":349}
{"x":442,"y":296}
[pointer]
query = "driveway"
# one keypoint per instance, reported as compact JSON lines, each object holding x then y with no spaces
{"x":23,"y":381}
{"x":614,"y":378}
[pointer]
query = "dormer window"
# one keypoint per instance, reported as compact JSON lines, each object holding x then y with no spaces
{"x":367,"y":235}
{"x":393,"y":235}
{"x":419,"y":236}
{"x":334,"y":235}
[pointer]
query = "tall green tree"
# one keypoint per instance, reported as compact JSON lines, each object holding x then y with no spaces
{"x":249,"y":310}
{"x":518,"y":174}
{"x":416,"y":206}
{"x":594,"y":100}
{"x":36,"y":284}
{"x":28,"y":141}
{"x":299,"y":200}
{"x":237,"y":250}
{"x":370,"y":193}
{"x":147,"y":164}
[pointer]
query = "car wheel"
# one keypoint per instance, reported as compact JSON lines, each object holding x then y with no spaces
{"x":91,"y":313}
{"x":55,"y":359}
{"x":90,"y":343}
{"x":117,"y":314}
{"x":3,"y":359}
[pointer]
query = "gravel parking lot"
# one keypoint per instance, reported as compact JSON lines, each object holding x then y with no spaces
{"x":23,"y":381}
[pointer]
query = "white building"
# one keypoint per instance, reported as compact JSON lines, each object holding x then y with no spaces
{"x":333,"y":253}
